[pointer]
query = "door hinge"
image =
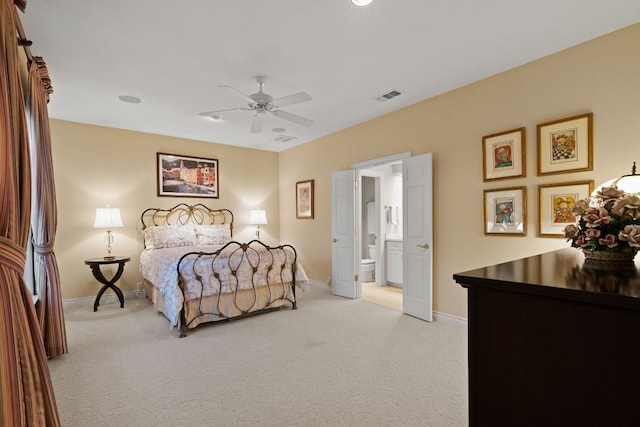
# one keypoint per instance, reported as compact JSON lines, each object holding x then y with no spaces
{"x":356,"y":278}
{"x":355,"y":183}
{"x":355,"y":231}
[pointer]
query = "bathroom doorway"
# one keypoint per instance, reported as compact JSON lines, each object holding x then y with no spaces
{"x":380,"y":225}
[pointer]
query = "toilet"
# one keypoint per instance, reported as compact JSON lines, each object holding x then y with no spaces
{"x":368,"y":265}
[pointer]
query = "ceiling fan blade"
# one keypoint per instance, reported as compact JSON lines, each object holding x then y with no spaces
{"x":256,"y":123}
{"x":296,"y":98}
{"x":211,"y":113}
{"x":246,"y":97}
{"x":293,"y":118}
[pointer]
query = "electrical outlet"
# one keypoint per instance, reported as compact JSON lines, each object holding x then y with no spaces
{"x":139,"y":286}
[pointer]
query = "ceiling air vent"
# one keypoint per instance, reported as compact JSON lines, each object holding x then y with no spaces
{"x":389,"y":95}
{"x":284,"y":138}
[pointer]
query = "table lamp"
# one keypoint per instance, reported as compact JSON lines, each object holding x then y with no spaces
{"x":108,"y":218}
{"x":258,"y":217}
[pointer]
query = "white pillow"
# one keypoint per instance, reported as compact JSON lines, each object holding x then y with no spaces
{"x":213,"y":234}
{"x":169,"y":236}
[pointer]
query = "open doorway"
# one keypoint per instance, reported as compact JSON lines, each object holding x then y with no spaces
{"x":417,"y":232}
{"x":380,"y":225}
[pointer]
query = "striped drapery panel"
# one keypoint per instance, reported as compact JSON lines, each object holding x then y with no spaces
{"x":44,"y":216}
{"x":26,"y":392}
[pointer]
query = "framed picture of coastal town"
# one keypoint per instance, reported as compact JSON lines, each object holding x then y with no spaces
{"x":556,"y":205}
{"x":505,"y":211}
{"x":503,"y":155}
{"x":184,"y":176}
{"x":565,"y":145}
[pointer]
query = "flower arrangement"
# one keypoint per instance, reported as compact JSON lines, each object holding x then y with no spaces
{"x":609,"y":221}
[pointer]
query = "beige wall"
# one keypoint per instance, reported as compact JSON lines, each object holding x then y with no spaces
{"x":96,"y":166}
{"x":601,"y":76}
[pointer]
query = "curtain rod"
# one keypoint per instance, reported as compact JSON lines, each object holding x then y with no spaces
{"x":22,"y":38}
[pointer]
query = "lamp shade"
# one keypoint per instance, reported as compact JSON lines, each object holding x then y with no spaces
{"x":630,"y":183}
{"x":258,"y":217}
{"x":108,"y":218}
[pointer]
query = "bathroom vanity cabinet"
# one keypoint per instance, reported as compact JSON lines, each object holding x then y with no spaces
{"x":394,"y":262}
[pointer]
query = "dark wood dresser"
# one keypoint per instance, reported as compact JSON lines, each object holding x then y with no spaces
{"x":553,"y":341}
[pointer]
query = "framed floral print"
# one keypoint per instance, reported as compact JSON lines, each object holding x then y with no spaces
{"x":503,"y":155}
{"x":566,"y":145}
{"x":505,"y":211}
{"x":556,"y":202}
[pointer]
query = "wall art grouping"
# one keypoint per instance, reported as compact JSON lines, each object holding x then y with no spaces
{"x":563,"y":146}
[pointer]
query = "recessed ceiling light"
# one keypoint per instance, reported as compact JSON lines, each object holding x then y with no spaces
{"x":278,"y":130}
{"x":130,"y":99}
{"x":361,"y":2}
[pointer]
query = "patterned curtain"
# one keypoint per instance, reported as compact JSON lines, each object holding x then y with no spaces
{"x":26,"y":392}
{"x":44,"y":217}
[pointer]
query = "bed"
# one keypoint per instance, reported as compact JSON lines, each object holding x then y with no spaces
{"x":194,"y":272}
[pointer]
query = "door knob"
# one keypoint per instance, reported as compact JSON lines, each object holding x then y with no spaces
{"x":425,"y":246}
{"x":335,"y":240}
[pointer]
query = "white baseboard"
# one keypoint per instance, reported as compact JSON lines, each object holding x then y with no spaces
{"x":443,"y":317}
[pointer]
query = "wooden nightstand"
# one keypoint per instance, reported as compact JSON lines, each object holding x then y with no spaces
{"x":95,"y":264}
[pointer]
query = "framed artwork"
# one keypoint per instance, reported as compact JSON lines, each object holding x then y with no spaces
{"x":304,"y":199}
{"x":566,"y":145}
{"x":184,"y":176}
{"x":556,"y":202}
{"x":505,"y":211}
{"x":503,"y":155}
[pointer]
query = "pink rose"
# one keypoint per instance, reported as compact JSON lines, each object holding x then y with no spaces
{"x":631,"y":235}
{"x":570,"y":231}
{"x":596,"y":216}
{"x":581,"y":241}
{"x":610,"y":193}
{"x":609,"y":241}
{"x":629,"y":206}
{"x":591,"y":233}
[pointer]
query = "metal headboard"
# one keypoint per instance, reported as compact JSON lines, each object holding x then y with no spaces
{"x":186,"y":214}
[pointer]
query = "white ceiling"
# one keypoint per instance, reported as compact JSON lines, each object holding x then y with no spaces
{"x":174,"y":54}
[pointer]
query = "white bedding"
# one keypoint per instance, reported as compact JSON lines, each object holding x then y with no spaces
{"x":159,"y":267}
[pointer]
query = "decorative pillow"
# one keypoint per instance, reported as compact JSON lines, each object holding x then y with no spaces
{"x":214,"y":234}
{"x":170,"y":236}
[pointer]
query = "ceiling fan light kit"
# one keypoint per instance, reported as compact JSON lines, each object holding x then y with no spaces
{"x":361,"y":3}
{"x":261,"y":103}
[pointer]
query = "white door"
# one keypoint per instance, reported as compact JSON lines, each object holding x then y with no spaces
{"x":343,"y":235}
{"x":417,"y":192}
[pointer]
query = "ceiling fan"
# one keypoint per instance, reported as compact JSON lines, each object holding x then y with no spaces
{"x":261,"y":103}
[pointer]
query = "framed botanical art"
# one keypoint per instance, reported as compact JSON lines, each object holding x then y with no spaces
{"x":503,"y":155}
{"x":566,"y":145}
{"x":505,"y":211}
{"x":184,"y":176}
{"x":556,"y":202}
{"x":304,"y":199}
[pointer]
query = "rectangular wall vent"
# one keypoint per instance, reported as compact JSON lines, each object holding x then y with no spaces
{"x":284,"y":138}
{"x":389,"y":95}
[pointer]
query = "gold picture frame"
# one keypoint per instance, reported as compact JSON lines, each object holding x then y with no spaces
{"x":565,"y":145}
{"x":505,"y":211}
{"x":556,"y":202}
{"x":304,"y":199}
{"x":503,"y":155}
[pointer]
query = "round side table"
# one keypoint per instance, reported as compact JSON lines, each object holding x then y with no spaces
{"x":95,"y":264}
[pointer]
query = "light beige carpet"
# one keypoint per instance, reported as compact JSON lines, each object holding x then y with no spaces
{"x":332,"y":362}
